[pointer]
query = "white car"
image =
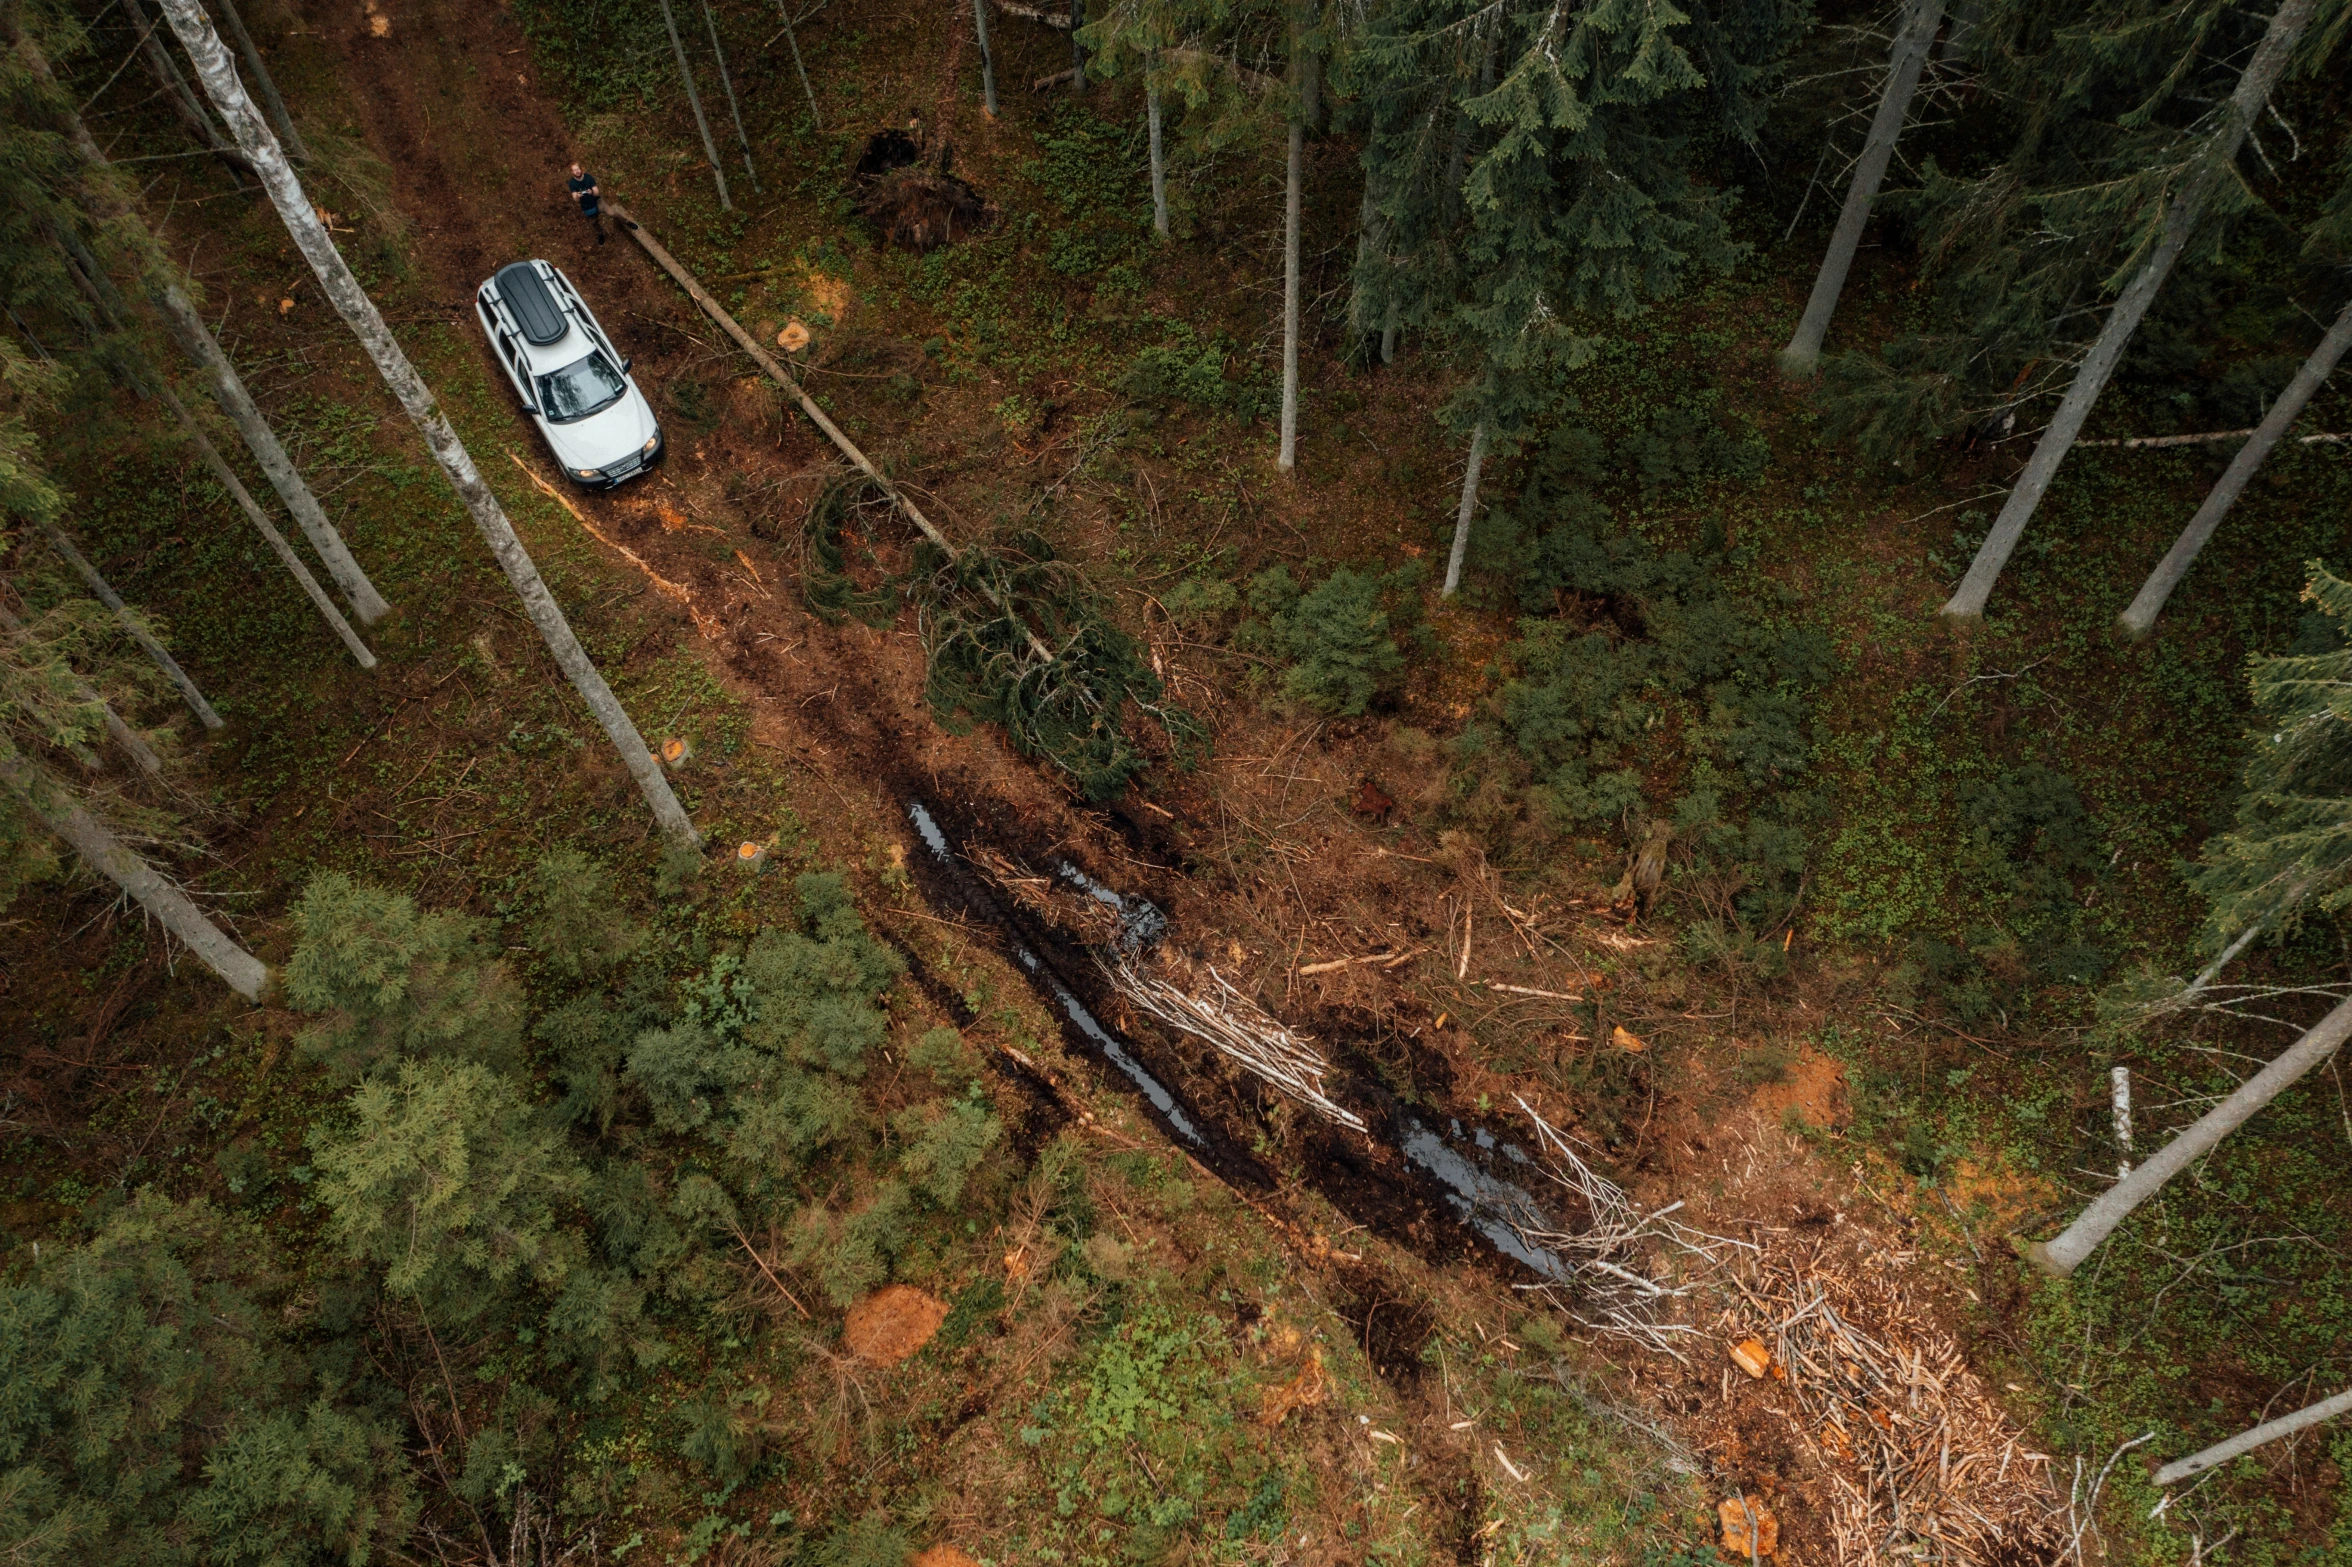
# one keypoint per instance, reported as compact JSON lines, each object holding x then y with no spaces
{"x":574,"y":384}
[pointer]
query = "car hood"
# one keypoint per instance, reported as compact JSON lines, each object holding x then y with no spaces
{"x":604,"y":437}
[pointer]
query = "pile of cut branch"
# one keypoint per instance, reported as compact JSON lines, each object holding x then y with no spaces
{"x":1616,"y":1288}
{"x":1921,"y":1462}
{"x":1241,"y":1030}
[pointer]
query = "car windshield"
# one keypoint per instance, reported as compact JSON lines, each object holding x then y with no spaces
{"x":583,"y":387}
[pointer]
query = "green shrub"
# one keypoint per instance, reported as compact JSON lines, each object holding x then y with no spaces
{"x":392,"y":981}
{"x":1339,"y":637}
{"x":1654,"y":690}
{"x":580,"y":930}
{"x":945,"y":1142}
{"x":1187,"y":368}
{"x":156,"y":1407}
{"x":450,"y":1183}
{"x":849,"y":1252}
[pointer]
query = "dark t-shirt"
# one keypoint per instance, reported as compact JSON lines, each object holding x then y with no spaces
{"x":584,"y":192}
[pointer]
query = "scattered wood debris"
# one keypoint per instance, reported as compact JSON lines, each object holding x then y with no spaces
{"x":1920,"y":1461}
{"x":1242,"y":1031}
{"x":1749,"y":1529}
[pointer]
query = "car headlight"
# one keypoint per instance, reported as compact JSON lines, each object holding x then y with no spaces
{"x":651,"y":446}
{"x":587,"y":473}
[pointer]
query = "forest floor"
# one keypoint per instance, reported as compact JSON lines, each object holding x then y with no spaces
{"x":1836,"y":1113}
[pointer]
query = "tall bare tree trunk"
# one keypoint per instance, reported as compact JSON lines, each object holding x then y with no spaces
{"x":184,"y":102}
{"x":710,"y":19}
{"x":288,"y":136}
{"x":987,"y":60}
{"x":134,"y":745}
{"x":2062,"y":1255}
{"x":270,"y":535}
{"x":195,"y":337}
{"x":2214,"y":162}
{"x":228,"y":389}
{"x":1077,"y":49}
{"x":105,"y":594}
{"x":1291,"y":203}
{"x":784,"y":9}
{"x":1468,"y":511}
{"x":2140,"y":619}
{"x":1159,"y":160}
{"x":1918,"y":30}
{"x":103,"y":852}
{"x":2246,"y":1441}
{"x":367,"y":324}
{"x":710,"y":148}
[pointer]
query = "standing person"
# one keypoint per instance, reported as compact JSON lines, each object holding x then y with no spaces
{"x":583,"y":185}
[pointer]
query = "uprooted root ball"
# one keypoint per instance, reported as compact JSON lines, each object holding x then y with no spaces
{"x":920,"y":208}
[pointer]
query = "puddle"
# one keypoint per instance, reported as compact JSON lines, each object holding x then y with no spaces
{"x":1135,"y":917}
{"x":1492,"y":1206}
{"x":1140,"y":921}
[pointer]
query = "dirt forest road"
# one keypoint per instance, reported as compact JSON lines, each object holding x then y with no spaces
{"x":451,"y":100}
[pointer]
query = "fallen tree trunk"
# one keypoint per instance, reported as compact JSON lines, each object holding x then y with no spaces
{"x":775,"y":371}
{"x":131,"y":623}
{"x":2067,"y":1252}
{"x":2246,"y":1441}
{"x":270,"y":535}
{"x":106,"y":854}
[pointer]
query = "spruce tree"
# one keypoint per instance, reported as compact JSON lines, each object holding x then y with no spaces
{"x":1915,"y":33}
{"x":157,"y":1406}
{"x":389,"y":981}
{"x":1578,"y":194}
{"x":710,"y":148}
{"x":2202,"y":168}
{"x":2289,"y":851}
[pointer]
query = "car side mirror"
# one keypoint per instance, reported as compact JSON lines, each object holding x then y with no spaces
{"x":625,"y":364}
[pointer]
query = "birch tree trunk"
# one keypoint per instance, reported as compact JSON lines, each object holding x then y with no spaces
{"x":105,"y":594}
{"x":176,"y":92}
{"x":288,"y":136}
{"x":2062,"y":1255}
{"x":228,"y":389}
{"x":2246,"y":1441}
{"x":2140,"y":619}
{"x":1159,"y":161}
{"x":710,"y":19}
{"x":693,"y":99}
{"x":2213,"y":164}
{"x":1469,"y":509}
{"x":367,"y":324}
{"x":134,"y":745}
{"x":1288,"y":460}
{"x":260,"y":520}
{"x":784,"y":10}
{"x":195,"y":337}
{"x":1909,"y":55}
{"x":103,"y":852}
{"x":987,"y":61}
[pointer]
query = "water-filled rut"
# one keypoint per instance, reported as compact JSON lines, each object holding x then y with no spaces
{"x":1414,"y":1174}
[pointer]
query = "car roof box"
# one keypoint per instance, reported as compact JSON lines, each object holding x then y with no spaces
{"x":535,"y":310}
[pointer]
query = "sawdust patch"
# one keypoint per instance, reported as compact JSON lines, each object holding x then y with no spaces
{"x":944,"y":1555}
{"x":892,"y":1323}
